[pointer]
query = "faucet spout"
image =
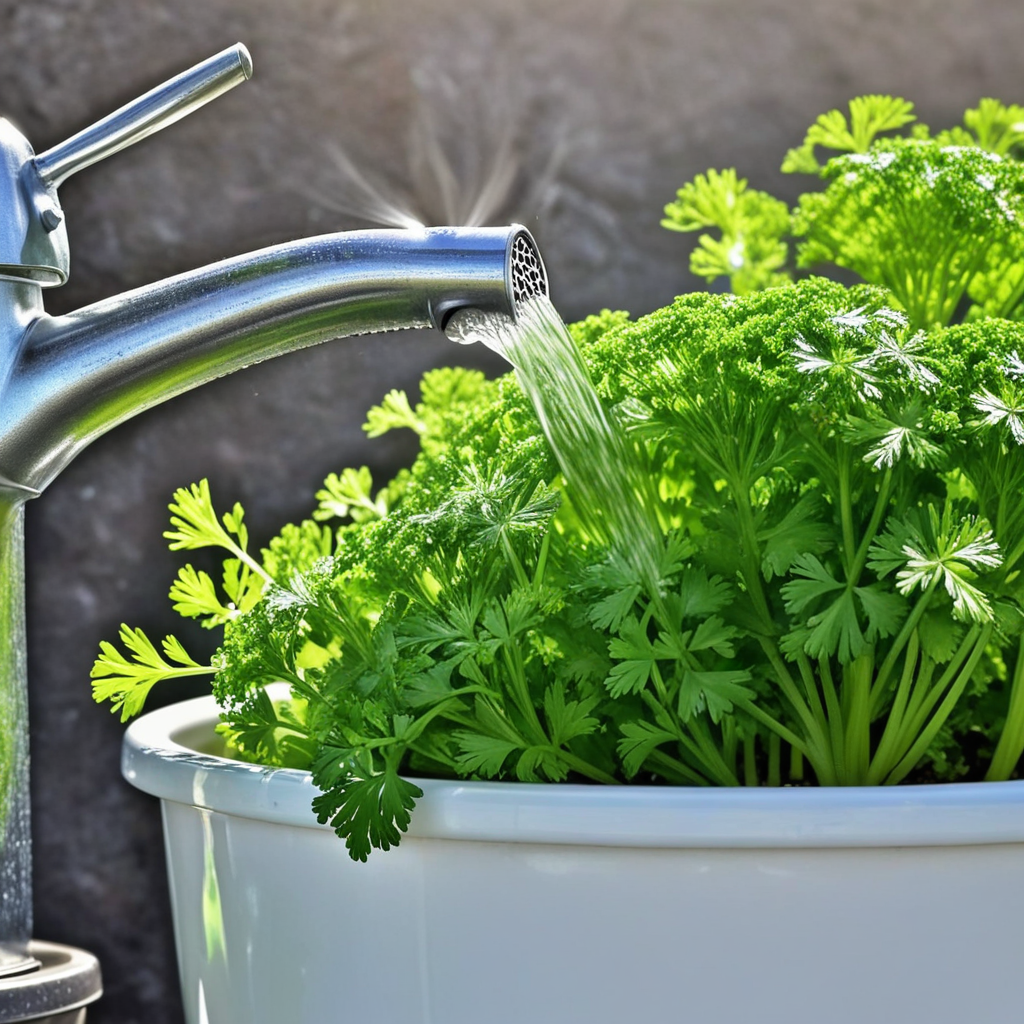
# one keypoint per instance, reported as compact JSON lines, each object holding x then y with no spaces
{"x":77,"y":376}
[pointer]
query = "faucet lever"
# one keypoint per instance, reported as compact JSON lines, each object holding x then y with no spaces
{"x":158,"y":108}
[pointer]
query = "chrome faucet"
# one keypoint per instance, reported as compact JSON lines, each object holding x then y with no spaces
{"x":66,"y":380}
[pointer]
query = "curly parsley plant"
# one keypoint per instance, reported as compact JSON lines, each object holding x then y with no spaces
{"x":837,"y":524}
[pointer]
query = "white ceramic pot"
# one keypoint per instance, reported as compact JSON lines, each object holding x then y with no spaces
{"x":562,"y":904}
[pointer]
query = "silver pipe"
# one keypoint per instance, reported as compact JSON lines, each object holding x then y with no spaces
{"x":79,"y":375}
{"x":157,"y":109}
{"x":15,"y":833}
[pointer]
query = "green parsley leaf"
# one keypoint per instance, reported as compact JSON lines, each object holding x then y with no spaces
{"x":393,"y":413}
{"x":126,"y":681}
{"x":718,"y":692}
{"x":349,"y":495}
{"x":640,"y":740}
{"x":368,"y":812}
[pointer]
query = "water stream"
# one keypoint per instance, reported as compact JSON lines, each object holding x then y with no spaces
{"x":606,"y":483}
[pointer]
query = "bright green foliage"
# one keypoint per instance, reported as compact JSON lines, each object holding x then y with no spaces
{"x":441,"y":390}
{"x":126,"y":682}
{"x":349,"y":494}
{"x":596,"y":326}
{"x":298,"y":547}
{"x":933,"y":219}
{"x":270,"y":732}
{"x":927,"y":220}
{"x":869,"y":116}
{"x":750,"y":250}
{"x":859,"y":529}
{"x":837,"y":541}
{"x":838,"y":577}
{"x":993,"y":126}
{"x":367,"y":810}
{"x":394,"y":412}
{"x":938,"y":220}
{"x":950,"y":552}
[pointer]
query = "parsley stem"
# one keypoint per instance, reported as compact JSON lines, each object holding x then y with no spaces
{"x":880,"y":763}
{"x":796,"y":764}
{"x":729,"y":741}
{"x":924,"y":696}
{"x":688,"y":746}
{"x":1016,"y":293}
{"x":669,"y":766}
{"x":819,"y":744}
{"x":748,"y":540}
{"x":924,"y":706}
{"x":659,"y":684}
{"x":928,"y":734}
{"x":577,"y":764}
{"x":712,"y":754}
{"x":881,"y":502}
{"x":1001,"y":511}
{"x":774,"y":759}
{"x":1011,"y":739}
{"x":246,"y":559}
{"x":811,"y":687}
{"x":902,"y":639}
{"x":513,"y":560}
{"x":688,"y":740}
{"x":434,"y":754}
{"x":921,"y":685}
{"x":542,"y":560}
{"x":836,"y":727}
{"x":787,"y":734}
{"x":1014,"y":556}
{"x":846,"y":507}
{"x":416,"y":729}
{"x":521,"y":693}
{"x":750,"y":761}
{"x":857,"y":685}
{"x":460,"y":718}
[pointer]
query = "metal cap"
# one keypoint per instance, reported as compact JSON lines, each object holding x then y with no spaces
{"x":33,"y":236}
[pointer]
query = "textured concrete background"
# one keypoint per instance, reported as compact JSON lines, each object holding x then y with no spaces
{"x":606,"y":107}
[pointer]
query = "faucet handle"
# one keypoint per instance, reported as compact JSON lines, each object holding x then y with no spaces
{"x":158,"y":108}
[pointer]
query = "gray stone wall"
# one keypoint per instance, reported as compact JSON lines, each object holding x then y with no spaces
{"x":604,"y":106}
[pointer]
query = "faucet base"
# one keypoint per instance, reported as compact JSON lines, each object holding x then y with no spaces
{"x":16,"y":963}
{"x":57,"y":990}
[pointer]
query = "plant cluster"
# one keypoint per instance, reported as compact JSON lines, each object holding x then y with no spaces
{"x":938,"y":219}
{"x":838,"y":534}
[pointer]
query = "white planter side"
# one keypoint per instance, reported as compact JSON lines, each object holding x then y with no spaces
{"x":516,"y":904}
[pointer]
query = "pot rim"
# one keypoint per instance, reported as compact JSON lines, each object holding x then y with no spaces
{"x":160,"y":757}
